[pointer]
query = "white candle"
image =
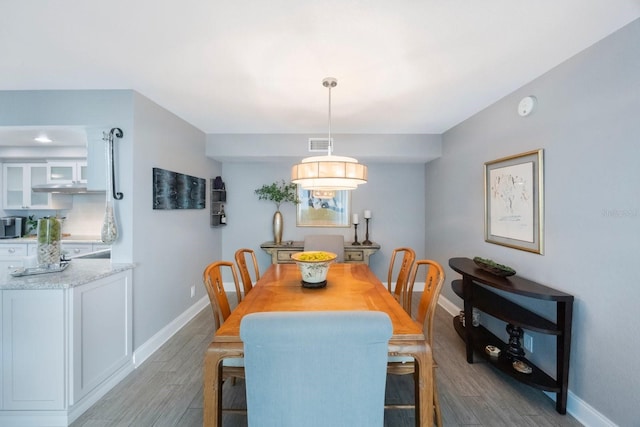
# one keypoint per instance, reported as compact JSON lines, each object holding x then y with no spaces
{"x":367,"y":214}
{"x":355,"y":218}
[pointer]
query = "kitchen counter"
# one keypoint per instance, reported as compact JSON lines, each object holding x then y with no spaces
{"x":66,"y":340}
{"x":79,"y":272}
{"x":73,"y":238}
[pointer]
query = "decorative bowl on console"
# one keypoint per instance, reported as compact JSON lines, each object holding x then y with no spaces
{"x":493,"y":267}
{"x":314,"y":266}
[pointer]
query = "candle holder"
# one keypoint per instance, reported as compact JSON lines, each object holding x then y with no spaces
{"x":355,"y":238}
{"x":366,"y":236}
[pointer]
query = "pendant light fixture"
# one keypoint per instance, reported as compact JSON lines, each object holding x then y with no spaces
{"x":329,"y":173}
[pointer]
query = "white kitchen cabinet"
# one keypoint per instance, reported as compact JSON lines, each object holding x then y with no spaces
{"x":63,"y":349}
{"x":17,"y":180}
{"x":33,"y":376}
{"x":67,"y":172}
{"x":12,"y":256}
{"x":76,"y":249}
{"x":101,"y":332}
{"x":100,"y":247}
{"x":96,"y":159}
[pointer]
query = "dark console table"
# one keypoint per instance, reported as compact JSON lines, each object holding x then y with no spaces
{"x":516,"y":316}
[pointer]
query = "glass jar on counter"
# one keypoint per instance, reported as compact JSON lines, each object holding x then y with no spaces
{"x":49,"y":233}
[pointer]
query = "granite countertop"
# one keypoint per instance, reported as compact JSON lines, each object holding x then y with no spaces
{"x":73,"y":238}
{"x":79,"y":272}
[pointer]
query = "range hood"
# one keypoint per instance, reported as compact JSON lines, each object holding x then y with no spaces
{"x":75,"y":188}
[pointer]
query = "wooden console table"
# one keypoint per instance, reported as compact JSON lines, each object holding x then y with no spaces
{"x":281,"y":254}
{"x":476,"y":338}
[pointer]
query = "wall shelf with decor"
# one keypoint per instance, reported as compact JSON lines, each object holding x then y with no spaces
{"x":473,"y":288}
{"x":218,"y":200}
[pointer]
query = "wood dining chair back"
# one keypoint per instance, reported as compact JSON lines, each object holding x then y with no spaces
{"x":405,"y":258}
{"x":292,"y":377}
{"x":326,"y":242}
{"x":245,"y":275}
{"x":425,"y":315}
{"x":213,"y":282}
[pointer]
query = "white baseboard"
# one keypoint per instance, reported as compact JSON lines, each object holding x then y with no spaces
{"x":578,"y":408}
{"x":143,"y":352}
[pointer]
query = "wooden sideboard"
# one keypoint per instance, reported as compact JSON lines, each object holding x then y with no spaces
{"x":281,"y":254}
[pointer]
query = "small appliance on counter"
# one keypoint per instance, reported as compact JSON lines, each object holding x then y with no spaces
{"x":12,"y":227}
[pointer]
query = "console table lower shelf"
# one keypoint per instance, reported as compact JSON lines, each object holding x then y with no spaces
{"x":483,"y":337}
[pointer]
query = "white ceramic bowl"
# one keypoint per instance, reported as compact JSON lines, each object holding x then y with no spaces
{"x":314,"y":265}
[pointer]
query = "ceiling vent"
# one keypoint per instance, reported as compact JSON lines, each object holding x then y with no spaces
{"x":320,"y":145}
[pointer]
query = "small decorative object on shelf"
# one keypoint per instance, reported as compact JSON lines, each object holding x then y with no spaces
{"x":367,"y":217}
{"x":355,"y":225}
{"x":223,"y":216}
{"x":522,"y":367}
{"x":514,"y":350}
{"x":492,"y":350}
{"x":493,"y":267}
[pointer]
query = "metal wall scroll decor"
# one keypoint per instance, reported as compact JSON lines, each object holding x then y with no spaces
{"x":109,"y":232}
{"x":173,"y":190}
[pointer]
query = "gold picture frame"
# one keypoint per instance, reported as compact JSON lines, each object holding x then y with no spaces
{"x":323,"y":209}
{"x":514,"y":201}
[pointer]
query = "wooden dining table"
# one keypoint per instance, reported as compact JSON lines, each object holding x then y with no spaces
{"x":349,"y":287}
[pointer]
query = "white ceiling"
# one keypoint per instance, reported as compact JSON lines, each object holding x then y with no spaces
{"x":252,"y":66}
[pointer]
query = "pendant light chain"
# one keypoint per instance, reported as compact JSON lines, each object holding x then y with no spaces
{"x":329,"y":83}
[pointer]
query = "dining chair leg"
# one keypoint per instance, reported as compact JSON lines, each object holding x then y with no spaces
{"x":436,"y":401}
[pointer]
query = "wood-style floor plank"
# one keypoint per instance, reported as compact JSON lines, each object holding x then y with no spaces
{"x":166,"y":390}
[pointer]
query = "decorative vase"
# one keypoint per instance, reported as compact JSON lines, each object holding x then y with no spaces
{"x":277,"y":227}
{"x":109,"y":233}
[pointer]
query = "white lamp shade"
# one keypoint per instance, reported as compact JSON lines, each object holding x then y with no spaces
{"x":329,"y":173}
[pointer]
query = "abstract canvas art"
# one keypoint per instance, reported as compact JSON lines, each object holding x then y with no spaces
{"x":173,"y":190}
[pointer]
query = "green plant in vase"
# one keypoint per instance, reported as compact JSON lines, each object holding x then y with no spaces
{"x":32,"y":225}
{"x":278,"y":192}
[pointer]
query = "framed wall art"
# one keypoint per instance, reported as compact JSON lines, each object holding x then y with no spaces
{"x":323,"y":208}
{"x":514,"y":194}
{"x":173,"y":190}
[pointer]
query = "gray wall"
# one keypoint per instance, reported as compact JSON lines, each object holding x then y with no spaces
{"x":394,"y":194}
{"x":170,"y":247}
{"x":587,"y":123}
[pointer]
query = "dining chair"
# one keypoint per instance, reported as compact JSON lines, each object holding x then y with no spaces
{"x":326,"y":242}
{"x":212,"y":278}
{"x":241,"y":259}
{"x":404,"y":269}
{"x":293,"y":377}
{"x":399,"y":365}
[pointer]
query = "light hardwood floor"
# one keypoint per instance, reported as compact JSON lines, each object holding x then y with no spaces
{"x":166,"y":390}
